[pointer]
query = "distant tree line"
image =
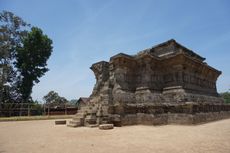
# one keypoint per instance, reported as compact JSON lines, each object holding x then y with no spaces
{"x":52,"y":102}
{"x":57,"y":103}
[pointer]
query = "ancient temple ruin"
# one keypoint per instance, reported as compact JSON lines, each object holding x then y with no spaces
{"x":165,"y":84}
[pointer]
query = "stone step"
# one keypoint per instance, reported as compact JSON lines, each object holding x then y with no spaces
{"x":78,"y":119}
{"x":72,"y":125}
{"x":90,"y":119}
{"x":106,"y":126}
{"x":92,"y":125}
{"x":75,"y":122}
{"x":104,"y":122}
{"x":80,"y":115}
{"x":60,"y":122}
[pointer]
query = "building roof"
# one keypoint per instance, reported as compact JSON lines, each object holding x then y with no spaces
{"x":163,"y":50}
{"x":121,"y":55}
{"x":168,"y":48}
{"x":176,"y":47}
{"x":83,"y":99}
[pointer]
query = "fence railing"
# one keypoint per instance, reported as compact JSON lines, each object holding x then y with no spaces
{"x":31,"y":109}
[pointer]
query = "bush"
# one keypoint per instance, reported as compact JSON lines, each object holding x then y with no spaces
{"x":226,"y":96}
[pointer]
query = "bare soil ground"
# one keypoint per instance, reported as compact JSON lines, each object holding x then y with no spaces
{"x":45,"y":137}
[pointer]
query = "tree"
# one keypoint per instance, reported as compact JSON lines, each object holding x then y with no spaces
{"x":31,"y":60}
{"x":73,"y":102}
{"x":37,"y":108}
{"x":226,"y":96}
{"x":12,"y":31}
{"x":52,"y":99}
{"x":20,"y":46}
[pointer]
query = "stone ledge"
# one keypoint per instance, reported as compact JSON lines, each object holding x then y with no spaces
{"x":173,"y":118}
{"x":60,"y":122}
{"x":106,"y":126}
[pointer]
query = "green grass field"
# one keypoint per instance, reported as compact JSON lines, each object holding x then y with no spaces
{"x":29,"y":118}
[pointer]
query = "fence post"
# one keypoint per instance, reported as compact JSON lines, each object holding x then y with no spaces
{"x":48,"y":110}
{"x":44,"y":109}
{"x":28,"y":110}
{"x":20,"y":111}
{"x":65,"y":109}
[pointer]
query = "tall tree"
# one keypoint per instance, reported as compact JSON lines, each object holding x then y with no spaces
{"x":18,"y":47}
{"x":31,"y":60}
{"x":12,"y":31}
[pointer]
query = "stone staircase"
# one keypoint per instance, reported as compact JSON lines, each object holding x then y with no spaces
{"x":78,"y":119}
{"x":92,"y":116}
{"x":86,"y":116}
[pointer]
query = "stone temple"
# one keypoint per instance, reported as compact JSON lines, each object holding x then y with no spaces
{"x":165,"y":84}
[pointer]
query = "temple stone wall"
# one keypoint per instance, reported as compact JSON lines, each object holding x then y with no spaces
{"x":174,"y":114}
{"x":165,"y":84}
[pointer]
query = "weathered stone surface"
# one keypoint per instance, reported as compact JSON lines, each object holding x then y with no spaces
{"x":90,"y":119}
{"x":92,"y":125}
{"x":60,"y":122}
{"x":165,"y":84}
{"x":106,"y":126}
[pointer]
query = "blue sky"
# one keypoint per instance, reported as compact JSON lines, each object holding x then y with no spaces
{"x":87,"y":31}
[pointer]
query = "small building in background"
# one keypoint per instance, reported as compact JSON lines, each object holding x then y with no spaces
{"x":82,"y":101}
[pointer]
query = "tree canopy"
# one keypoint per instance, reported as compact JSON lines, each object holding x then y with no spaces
{"x":12,"y":30}
{"x":24,"y":52}
{"x":31,"y":60}
{"x":54,"y":100}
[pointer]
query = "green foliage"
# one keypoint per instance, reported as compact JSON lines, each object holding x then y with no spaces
{"x":73,"y":102}
{"x":51,"y":97}
{"x":12,"y":30}
{"x":29,"y":118}
{"x":23,"y":59}
{"x":24,"y":52}
{"x":54,"y":100}
{"x":31,"y":60}
{"x":226,"y":96}
{"x":37,"y":107}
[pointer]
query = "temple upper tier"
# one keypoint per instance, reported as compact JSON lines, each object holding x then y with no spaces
{"x":165,"y":68}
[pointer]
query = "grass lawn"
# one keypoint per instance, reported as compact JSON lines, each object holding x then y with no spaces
{"x":28,"y":118}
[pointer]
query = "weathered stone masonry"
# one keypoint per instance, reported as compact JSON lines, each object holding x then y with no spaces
{"x":167,"y":83}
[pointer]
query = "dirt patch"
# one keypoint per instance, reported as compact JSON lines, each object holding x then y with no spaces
{"x":44,"y":137}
